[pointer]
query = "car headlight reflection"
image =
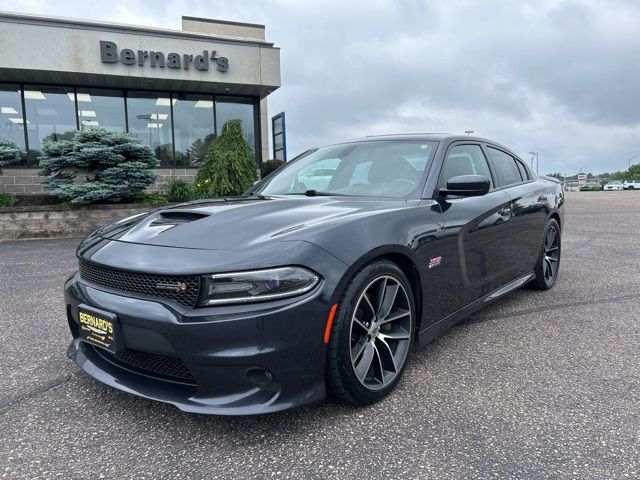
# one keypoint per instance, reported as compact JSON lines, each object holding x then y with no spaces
{"x":258,"y":285}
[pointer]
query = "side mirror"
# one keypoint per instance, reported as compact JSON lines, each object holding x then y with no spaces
{"x":467,"y":186}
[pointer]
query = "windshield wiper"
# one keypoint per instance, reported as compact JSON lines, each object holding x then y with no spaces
{"x":318,"y":193}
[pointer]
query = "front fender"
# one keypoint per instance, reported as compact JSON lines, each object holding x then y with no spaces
{"x":411,"y":237}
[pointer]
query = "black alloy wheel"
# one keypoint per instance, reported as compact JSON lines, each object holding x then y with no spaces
{"x":372,"y":335}
{"x":548,"y":265}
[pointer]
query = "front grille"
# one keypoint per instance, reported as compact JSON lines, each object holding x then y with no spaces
{"x":144,"y":283}
{"x":158,"y":365}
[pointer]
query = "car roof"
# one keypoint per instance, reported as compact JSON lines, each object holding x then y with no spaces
{"x":434,"y":137}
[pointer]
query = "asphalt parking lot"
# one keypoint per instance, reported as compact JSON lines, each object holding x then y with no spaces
{"x":538,"y":385}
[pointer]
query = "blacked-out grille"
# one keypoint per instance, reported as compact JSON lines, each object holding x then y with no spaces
{"x":152,"y":363}
{"x":184,"y":289}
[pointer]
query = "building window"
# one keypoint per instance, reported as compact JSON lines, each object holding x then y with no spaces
{"x":101,"y":108}
{"x":193,"y":128}
{"x":11,"y":119}
{"x":158,"y":119}
{"x":228,"y":108}
{"x":149,"y":116}
{"x":50,"y":113}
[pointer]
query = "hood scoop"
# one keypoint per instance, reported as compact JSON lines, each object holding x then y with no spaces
{"x":176,"y":217}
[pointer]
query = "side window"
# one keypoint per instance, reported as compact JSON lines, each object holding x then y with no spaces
{"x":506,"y":168}
{"x":524,"y":171}
{"x":465,"y":160}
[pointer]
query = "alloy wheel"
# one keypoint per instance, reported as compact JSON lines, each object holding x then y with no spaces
{"x":551,"y":254}
{"x":380,"y":332}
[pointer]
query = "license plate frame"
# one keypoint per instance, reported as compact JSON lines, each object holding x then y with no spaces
{"x":99,"y":328}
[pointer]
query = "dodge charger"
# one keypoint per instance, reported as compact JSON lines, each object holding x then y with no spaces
{"x":319,"y":280}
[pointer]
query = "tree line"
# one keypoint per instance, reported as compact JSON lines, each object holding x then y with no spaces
{"x":631,"y":173}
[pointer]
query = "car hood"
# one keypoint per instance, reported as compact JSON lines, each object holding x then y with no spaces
{"x":239,"y":223}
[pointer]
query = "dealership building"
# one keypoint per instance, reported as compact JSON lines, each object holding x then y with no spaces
{"x":173,"y":89}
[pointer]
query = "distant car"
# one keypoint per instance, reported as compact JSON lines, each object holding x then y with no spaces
{"x":615,"y":185}
{"x":592,"y":187}
{"x":631,"y":185}
{"x":572,"y":186}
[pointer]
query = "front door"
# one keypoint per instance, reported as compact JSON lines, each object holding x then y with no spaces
{"x":477,"y":231}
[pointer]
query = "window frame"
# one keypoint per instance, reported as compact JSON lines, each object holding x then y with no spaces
{"x":132,"y":120}
{"x":439,"y":183}
{"x":80,"y":90}
{"x":11,"y":87}
{"x":522,"y":169}
{"x":175,"y":95}
{"x":28,"y":119}
{"x":516,"y":159}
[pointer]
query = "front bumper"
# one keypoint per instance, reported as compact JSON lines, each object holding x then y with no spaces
{"x":241,"y":360}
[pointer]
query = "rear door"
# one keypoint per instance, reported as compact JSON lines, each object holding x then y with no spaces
{"x":528,"y":206}
{"x":477,"y":230}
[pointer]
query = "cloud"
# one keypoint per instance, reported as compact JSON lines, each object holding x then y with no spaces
{"x":558,"y":77}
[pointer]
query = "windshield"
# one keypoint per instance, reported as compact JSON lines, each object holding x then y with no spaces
{"x":386,"y":168}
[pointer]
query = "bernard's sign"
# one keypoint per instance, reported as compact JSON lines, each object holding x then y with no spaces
{"x":109,"y":54}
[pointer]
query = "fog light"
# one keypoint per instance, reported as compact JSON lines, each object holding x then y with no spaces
{"x":259,"y":376}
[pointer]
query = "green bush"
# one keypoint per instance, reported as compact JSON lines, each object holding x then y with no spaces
{"x":178,"y":191}
{"x":96,"y":165}
{"x":271,"y":166}
{"x":153,"y":198}
{"x":7,"y":200}
{"x":229,"y":168}
{"x":9,"y":152}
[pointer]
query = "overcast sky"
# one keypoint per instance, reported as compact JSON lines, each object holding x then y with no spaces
{"x":558,"y":77}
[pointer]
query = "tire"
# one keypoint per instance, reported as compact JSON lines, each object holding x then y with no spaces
{"x":371,"y":338}
{"x":548,"y":264}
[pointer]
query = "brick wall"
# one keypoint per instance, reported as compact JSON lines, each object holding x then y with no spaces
{"x":26,"y":180}
{"x":17,"y":180}
{"x":166,"y":174}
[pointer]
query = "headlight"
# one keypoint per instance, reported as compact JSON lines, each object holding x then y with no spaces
{"x":258,"y":285}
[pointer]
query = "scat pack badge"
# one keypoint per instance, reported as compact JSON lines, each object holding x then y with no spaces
{"x":179,"y":287}
{"x":435,"y":261}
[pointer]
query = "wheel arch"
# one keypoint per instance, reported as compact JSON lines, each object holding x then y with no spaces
{"x":403,"y":257}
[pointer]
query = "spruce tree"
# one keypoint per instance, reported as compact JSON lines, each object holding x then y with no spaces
{"x":271,"y":166}
{"x":228,"y":168}
{"x":97,"y":165}
{"x":9,"y":152}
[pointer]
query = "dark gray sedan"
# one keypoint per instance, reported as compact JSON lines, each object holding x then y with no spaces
{"x":320,"y":280}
